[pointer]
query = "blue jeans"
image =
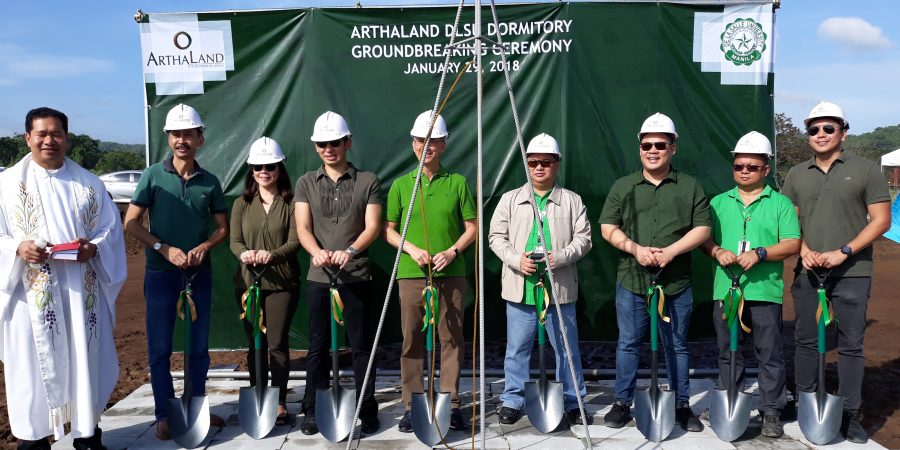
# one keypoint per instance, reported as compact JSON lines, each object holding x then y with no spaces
{"x":633,"y":321}
{"x":161,"y":289}
{"x":521,"y":327}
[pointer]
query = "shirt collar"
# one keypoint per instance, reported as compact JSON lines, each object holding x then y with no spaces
{"x":169,"y":166}
{"x":351,"y":172}
{"x":843,"y":157}
{"x":441,"y":172}
{"x":672,"y":176}
{"x":525,"y":191}
{"x":766,"y":192}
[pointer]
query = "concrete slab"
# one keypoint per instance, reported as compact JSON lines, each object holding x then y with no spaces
{"x":129,"y":425}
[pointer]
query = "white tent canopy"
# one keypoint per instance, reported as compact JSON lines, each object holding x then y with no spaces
{"x":891,"y":159}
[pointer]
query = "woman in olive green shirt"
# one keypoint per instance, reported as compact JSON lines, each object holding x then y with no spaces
{"x":263,"y":232}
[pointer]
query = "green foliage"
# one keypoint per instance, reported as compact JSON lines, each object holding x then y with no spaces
{"x":116,"y":160}
{"x":84,"y":150}
{"x":791,"y":146}
{"x":12,"y":148}
{"x":106,"y":146}
{"x":877,"y":142}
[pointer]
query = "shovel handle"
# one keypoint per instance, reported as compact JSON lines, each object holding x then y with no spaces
{"x":654,"y":333}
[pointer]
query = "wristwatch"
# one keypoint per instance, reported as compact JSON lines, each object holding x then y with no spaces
{"x":352,"y":251}
{"x":847,"y":250}
{"x":761,"y":253}
{"x":157,"y":246}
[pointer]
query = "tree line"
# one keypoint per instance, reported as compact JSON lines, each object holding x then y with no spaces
{"x":95,"y":155}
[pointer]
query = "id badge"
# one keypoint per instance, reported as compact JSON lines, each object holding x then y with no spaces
{"x":743,"y":246}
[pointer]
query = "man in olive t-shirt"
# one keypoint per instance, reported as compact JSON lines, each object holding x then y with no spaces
{"x":449,"y":215}
{"x":835,"y":193}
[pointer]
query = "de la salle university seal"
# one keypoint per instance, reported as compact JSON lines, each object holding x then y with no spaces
{"x":743,"y":42}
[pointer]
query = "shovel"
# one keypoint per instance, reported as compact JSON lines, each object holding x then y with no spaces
{"x":431,"y":411}
{"x":819,"y":413}
{"x":543,"y":399}
{"x":729,"y":409}
{"x":654,"y":408}
{"x":258,"y":404}
{"x":188,"y":416}
{"x":335,"y":406}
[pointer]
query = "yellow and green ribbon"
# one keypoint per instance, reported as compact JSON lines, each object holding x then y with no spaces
{"x":656,"y":289}
{"x":542,"y":312}
{"x":430,"y":300}
{"x":185,"y":295}
{"x":252,"y":300}
{"x":733,"y":308}
{"x":337,"y":306}
{"x":824,"y":308}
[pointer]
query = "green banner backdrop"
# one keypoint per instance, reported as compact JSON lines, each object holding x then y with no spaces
{"x":586,"y":73}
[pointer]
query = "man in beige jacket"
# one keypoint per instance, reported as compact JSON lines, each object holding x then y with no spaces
{"x":514,"y":239}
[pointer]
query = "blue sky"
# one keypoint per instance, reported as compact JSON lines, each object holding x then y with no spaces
{"x":84,"y":58}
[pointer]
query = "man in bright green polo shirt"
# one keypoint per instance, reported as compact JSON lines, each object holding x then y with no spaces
{"x":754,"y":230}
{"x":450,"y":219}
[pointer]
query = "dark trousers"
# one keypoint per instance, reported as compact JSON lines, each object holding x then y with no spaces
{"x":764,"y":319}
{"x":850,"y":297}
{"x":360,"y":337}
{"x":278,"y":308}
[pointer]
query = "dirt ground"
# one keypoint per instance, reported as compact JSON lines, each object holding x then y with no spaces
{"x":881,"y":400}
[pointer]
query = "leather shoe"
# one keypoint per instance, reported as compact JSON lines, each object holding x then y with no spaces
{"x":40,"y":444}
{"x":574,"y":416}
{"x":369,"y":425}
{"x":162,"y":430}
{"x":405,"y":425}
{"x":457,"y":421}
{"x":852,"y":429}
{"x":90,"y":443}
{"x":687,"y":420}
{"x":216,"y":421}
{"x":509,"y":416}
{"x":308,"y":426}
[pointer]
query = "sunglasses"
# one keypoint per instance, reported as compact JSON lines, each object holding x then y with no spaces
{"x":268,"y":167}
{"x":646,"y":146}
{"x":334,"y":144}
{"x":814,"y":130}
{"x":752,"y":168}
{"x":540,"y":162}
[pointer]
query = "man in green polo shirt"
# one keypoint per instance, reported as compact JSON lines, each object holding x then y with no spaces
{"x":182,"y":199}
{"x":449,"y":215}
{"x":844,"y":205}
{"x":655,"y":217}
{"x":754,"y":230}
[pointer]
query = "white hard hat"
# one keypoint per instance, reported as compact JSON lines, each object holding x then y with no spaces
{"x":423,"y":122}
{"x":543,"y":143}
{"x":265,"y":151}
{"x":183,"y":117}
{"x":658,"y":123}
{"x":329,"y":127}
{"x":826,"y":109}
{"x":754,"y":143}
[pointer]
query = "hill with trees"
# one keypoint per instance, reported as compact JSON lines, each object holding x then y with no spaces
{"x":93,"y":154}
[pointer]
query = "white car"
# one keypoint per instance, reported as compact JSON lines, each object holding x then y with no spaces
{"x":121,"y":185}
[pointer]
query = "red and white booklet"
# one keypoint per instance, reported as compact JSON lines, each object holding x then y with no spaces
{"x":65,"y":251}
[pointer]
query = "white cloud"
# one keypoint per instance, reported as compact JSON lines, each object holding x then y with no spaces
{"x":854,"y":33}
{"x":17,"y":63}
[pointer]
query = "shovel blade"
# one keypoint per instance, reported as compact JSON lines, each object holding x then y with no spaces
{"x":729,"y":419}
{"x":431,"y":430}
{"x":335,"y":407}
{"x":189,"y":420}
{"x":820,"y":418}
{"x":257,"y":414}
{"x":654,"y":419}
{"x":544,"y":404}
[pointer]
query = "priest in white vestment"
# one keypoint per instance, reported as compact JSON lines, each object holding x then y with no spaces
{"x":57,"y":315}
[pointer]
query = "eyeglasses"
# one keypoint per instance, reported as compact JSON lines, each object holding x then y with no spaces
{"x":646,"y":146}
{"x":333,"y":144}
{"x":814,"y":130}
{"x":268,"y":167}
{"x":430,"y":141}
{"x":540,"y":162}
{"x":752,"y":168}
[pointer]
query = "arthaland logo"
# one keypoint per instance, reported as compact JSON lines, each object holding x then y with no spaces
{"x":743,"y":42}
{"x":181,"y":53}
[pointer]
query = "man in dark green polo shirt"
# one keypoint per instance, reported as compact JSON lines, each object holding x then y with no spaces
{"x":655,"y":217}
{"x":182,"y":198}
{"x":450,"y":218}
{"x":844,"y":205}
{"x":754,"y":230}
{"x":338,"y":213}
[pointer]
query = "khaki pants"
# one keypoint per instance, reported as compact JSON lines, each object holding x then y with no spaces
{"x":450,"y":330}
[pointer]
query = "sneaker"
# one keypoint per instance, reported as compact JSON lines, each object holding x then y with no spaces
{"x":308,"y":426}
{"x":687,"y":420}
{"x":369,"y":425}
{"x":457,"y":421}
{"x":771,"y":426}
{"x":574,"y":416}
{"x":509,"y":416}
{"x":618,"y":416}
{"x":162,"y":430}
{"x":405,"y":425}
{"x":852,"y":430}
